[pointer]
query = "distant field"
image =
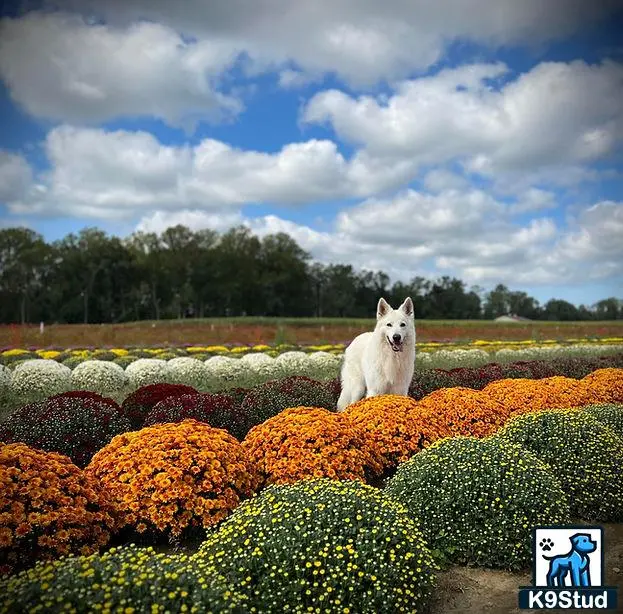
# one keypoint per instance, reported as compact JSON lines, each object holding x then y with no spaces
{"x":214,"y":331}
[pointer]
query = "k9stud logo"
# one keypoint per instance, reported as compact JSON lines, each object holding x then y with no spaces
{"x":567,"y":571}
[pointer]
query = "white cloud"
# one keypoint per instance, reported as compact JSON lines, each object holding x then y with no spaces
{"x":413,"y":218}
{"x":60,"y":68}
{"x":121,"y":174}
{"x":468,"y":235}
{"x":220,"y":221}
{"x":555,"y":116}
{"x":292,"y":79}
{"x":534,"y":199}
{"x":15,"y":176}
{"x":440,"y":179}
{"x":361,"y":41}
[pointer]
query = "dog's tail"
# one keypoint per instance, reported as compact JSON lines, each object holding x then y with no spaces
{"x":555,"y":556}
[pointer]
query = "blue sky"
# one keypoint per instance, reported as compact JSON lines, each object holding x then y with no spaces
{"x":477,"y":139}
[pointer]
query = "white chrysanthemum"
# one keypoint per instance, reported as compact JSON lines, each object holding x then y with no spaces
{"x":224,"y":371}
{"x":189,"y":371}
{"x":5,"y":383}
{"x":323,"y":365}
{"x":37,"y":379}
{"x":257,"y":359}
{"x":507,"y":355}
{"x":101,"y":376}
{"x":146,"y":371}
{"x":449,"y":359}
{"x":293,"y":362}
{"x":423,"y":360}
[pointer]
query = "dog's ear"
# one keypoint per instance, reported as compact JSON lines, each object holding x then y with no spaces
{"x":382,"y":308}
{"x":407,"y":307}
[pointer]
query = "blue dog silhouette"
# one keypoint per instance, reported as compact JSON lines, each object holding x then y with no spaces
{"x":576,"y":561}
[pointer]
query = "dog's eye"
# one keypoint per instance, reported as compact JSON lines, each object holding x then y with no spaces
{"x":389,"y":324}
{"x":402,"y":324}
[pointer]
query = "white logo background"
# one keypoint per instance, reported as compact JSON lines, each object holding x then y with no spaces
{"x":560,"y":537}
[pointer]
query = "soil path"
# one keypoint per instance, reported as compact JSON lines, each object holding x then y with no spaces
{"x":471,"y":590}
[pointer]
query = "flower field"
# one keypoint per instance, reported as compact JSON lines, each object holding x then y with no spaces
{"x":230,"y":484}
{"x":32,"y":375}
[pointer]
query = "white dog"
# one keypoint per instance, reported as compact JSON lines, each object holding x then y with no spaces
{"x":380,"y":362}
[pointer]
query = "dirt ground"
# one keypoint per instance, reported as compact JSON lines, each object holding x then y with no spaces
{"x":468,"y":590}
{"x":244,"y":331}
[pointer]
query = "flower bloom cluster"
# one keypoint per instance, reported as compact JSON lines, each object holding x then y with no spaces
{"x":524,"y":395}
{"x":478,"y":499}
{"x":397,"y":426}
{"x":169,"y":477}
{"x":609,"y":414}
{"x":145,"y":371}
{"x":48,"y":508}
{"x":188,"y":371}
{"x":76,"y":424}
{"x":267,"y":400}
{"x":604,"y":386}
{"x":585,"y":456}
{"x":126,"y":579}
{"x":102,"y":376}
{"x":464,"y":411}
{"x":219,"y":410}
{"x":137,"y":405}
{"x":304,"y":442}
{"x":323,"y":546}
{"x":35,"y":380}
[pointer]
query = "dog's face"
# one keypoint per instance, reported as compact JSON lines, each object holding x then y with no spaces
{"x":396,"y":325}
{"x":582,"y":542}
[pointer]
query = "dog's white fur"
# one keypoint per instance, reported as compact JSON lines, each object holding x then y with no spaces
{"x":375,"y":363}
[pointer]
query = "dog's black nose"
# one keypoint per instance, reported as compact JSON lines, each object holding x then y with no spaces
{"x":396,"y":338}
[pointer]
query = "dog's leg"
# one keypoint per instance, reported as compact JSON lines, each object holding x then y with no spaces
{"x":353,"y":389}
{"x":551,"y":575}
{"x":575,"y":575}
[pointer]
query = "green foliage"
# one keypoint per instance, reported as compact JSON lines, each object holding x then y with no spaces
{"x":584,"y":455}
{"x":124,"y":361}
{"x":323,"y":544}
{"x":125,"y":579}
{"x":12,"y":360}
{"x":609,"y":414}
{"x":478,"y":499}
{"x":73,"y":361}
{"x":268,"y":399}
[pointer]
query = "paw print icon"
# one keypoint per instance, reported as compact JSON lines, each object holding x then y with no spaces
{"x":546,"y":544}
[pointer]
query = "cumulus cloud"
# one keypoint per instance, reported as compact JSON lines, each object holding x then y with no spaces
{"x":361,"y":41}
{"x":15,"y":176}
{"x":59,"y":67}
{"x":533,"y":200}
{"x":159,"y":221}
{"x":440,"y":179}
{"x":122,"y":174}
{"x":554,"y":115}
{"x":472,"y":236}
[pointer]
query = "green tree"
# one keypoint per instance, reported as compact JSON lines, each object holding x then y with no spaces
{"x":24,"y":259}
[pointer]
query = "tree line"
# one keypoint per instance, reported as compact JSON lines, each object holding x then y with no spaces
{"x":93,"y":277}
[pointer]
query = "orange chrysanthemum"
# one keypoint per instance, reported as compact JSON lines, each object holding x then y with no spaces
{"x":169,"y":477}
{"x":603,"y":386}
{"x":464,"y":411}
{"x":397,"y":425}
{"x":48,"y":508}
{"x":527,"y":395}
{"x":308,"y":442}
